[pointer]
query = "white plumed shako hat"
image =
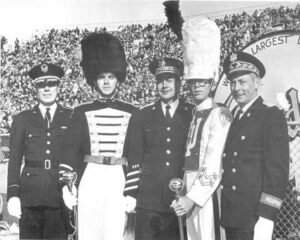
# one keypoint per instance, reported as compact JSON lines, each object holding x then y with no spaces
{"x":201,"y":49}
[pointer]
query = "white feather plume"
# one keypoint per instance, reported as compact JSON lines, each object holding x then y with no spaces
{"x":201,"y":48}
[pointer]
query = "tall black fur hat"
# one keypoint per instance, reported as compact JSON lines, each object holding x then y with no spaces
{"x":102,"y":52}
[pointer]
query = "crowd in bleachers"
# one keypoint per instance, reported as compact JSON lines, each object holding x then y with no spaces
{"x":141,"y":43}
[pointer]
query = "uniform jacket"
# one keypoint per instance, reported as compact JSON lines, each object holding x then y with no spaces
{"x":206,"y":141}
{"x":97,"y":128}
{"x":30,"y":138}
{"x":158,"y":149}
{"x":255,"y":165}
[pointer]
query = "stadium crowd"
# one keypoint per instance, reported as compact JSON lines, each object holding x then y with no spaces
{"x":141,"y":43}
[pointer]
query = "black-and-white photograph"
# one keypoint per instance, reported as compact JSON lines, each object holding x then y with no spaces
{"x":149,"y":120}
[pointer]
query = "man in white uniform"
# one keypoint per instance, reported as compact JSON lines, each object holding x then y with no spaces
{"x":96,"y":143}
{"x":207,"y":134}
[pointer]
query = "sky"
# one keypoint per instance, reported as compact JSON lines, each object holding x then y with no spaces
{"x":23,"y":18}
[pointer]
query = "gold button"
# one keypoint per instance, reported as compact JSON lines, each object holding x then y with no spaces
{"x":30,"y":135}
{"x":168,"y":139}
{"x":48,"y":142}
{"x":223,"y":170}
{"x":48,"y":151}
{"x":234,"y":170}
{"x":233,"y":188}
{"x":168,"y":128}
{"x":222,"y":187}
{"x":235,"y":153}
{"x":48,"y":134}
{"x":243,"y":137}
{"x":168,"y":151}
{"x":224,"y":154}
{"x":167,"y":164}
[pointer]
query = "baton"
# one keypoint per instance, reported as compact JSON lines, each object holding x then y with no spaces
{"x":176,"y":185}
{"x":70,"y":178}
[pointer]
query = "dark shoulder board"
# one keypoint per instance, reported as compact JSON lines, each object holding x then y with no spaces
{"x":150,"y":106}
{"x":129,"y":107}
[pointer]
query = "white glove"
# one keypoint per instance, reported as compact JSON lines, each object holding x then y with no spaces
{"x":70,"y":198}
{"x":14,"y":207}
{"x":263,"y":229}
{"x":130,"y":204}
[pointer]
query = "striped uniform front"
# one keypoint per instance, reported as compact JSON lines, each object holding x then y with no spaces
{"x":100,"y":197}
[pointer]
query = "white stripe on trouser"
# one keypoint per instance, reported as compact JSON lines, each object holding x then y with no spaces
{"x":101,"y":204}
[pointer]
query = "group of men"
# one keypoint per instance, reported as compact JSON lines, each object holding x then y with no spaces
{"x":234,"y":165}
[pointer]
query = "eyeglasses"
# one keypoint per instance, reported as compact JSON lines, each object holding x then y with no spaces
{"x":46,"y":84}
{"x":201,"y":82}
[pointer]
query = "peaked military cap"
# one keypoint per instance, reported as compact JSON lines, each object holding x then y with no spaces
{"x":46,"y":71}
{"x":166,"y":65}
{"x":243,"y":63}
{"x":102,"y":52}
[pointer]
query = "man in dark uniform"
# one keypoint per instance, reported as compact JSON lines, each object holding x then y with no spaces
{"x":256,"y":156}
{"x":96,"y":143}
{"x":158,"y":149}
{"x":36,"y":135}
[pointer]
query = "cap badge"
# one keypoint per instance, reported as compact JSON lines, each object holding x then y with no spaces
{"x":162,"y":63}
{"x":233,"y":57}
{"x":44,"y":68}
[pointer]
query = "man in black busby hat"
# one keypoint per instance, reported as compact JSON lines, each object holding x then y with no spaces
{"x":37,"y":136}
{"x":96,"y":146}
{"x":256,"y":155}
{"x":160,"y":134}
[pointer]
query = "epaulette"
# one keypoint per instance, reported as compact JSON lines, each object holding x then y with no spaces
{"x":148,"y":105}
{"x":83,"y":104}
{"x":128,"y":103}
{"x":68,"y":108}
{"x":25,"y":112}
{"x":225,"y":116}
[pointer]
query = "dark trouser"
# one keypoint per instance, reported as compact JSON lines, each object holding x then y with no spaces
{"x":42,"y":223}
{"x":151,"y":225}
{"x":239,"y":234}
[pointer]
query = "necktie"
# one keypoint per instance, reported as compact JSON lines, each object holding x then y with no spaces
{"x":238,"y":115}
{"x":168,"y":115}
{"x":48,"y":117}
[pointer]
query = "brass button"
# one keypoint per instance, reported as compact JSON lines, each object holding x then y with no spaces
{"x":48,"y":134}
{"x":168,"y":151}
{"x":168,"y":139}
{"x":243,"y":137}
{"x":224,"y":154}
{"x":168,"y":128}
{"x":167,"y":164}
{"x":234,"y":170}
{"x":48,"y":142}
{"x":233,"y":188}
{"x":48,"y":151}
{"x":235,"y":154}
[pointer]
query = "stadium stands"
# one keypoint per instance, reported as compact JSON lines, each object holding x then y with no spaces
{"x":142,"y":43}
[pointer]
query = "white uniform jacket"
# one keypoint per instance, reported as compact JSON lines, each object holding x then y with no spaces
{"x":206,"y":140}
